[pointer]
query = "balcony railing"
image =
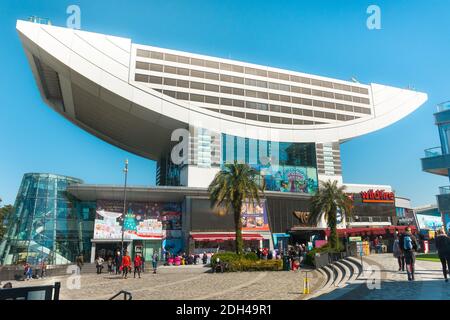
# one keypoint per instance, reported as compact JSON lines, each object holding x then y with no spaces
{"x":444,"y":190}
{"x":369,"y":219}
{"x":433,"y":152}
{"x":39,"y":20}
{"x":443,"y":106}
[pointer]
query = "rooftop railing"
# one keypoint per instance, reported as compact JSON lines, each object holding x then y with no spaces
{"x":433,"y":152}
{"x":40,"y":20}
{"x":443,"y":106}
{"x":444,"y":190}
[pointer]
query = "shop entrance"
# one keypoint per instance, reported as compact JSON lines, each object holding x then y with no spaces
{"x":147,"y":248}
{"x":106,"y":249}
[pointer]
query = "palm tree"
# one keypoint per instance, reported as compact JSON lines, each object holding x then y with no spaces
{"x":231,"y":186}
{"x":328,"y":199}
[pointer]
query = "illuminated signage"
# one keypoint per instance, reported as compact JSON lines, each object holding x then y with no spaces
{"x":377,"y":196}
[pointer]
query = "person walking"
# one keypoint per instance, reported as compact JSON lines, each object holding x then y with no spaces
{"x":409,"y":245}
{"x":118,"y":262}
{"x":443,"y":248}
{"x":137,"y":265}
{"x":398,"y":253}
{"x":126,"y":265}
{"x":143,"y":264}
{"x":28,"y":272}
{"x":154,"y":261}
{"x":110,"y":265}
{"x":375,"y":244}
{"x":43,"y":269}
{"x":99,"y":264}
{"x":80,"y":261}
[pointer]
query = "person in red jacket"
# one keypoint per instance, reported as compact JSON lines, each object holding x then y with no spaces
{"x":126,"y":265}
{"x":137,"y":265}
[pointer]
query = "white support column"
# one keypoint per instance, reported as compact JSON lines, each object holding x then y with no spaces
{"x":93,"y":252}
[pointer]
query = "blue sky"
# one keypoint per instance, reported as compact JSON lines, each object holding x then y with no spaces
{"x":328,"y":38}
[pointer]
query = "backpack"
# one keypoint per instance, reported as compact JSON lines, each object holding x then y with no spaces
{"x":407,"y":243}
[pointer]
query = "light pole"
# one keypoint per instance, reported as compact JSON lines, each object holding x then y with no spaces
{"x":125,"y":170}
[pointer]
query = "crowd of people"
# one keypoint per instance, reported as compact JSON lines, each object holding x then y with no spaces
{"x":406,"y":246}
{"x":41,"y":272}
{"x":182,"y":258}
{"x":125,"y":265}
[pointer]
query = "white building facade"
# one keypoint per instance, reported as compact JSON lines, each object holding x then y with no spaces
{"x":289,"y":125}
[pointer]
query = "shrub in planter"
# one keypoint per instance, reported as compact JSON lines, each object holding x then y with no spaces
{"x":225,"y":257}
{"x":247,"y":262}
{"x":251,"y":256}
{"x":259,"y":265}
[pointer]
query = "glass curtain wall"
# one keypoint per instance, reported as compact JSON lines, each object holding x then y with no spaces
{"x":47,"y":223}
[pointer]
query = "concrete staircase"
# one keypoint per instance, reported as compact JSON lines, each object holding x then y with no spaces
{"x":344,"y":275}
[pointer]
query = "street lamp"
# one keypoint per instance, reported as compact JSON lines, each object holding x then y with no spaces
{"x":125,"y":170}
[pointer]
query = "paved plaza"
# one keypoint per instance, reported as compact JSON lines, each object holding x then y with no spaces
{"x":189,"y":282}
{"x":193,"y":282}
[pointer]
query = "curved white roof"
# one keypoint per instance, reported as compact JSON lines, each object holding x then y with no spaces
{"x":95,"y":81}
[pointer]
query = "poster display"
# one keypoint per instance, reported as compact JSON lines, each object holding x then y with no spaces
{"x":447,"y":222}
{"x":254,"y":217}
{"x":143,"y":220}
{"x":431,"y":222}
{"x":290,"y":179}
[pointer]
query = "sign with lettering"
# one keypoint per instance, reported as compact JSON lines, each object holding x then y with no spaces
{"x":377,"y":196}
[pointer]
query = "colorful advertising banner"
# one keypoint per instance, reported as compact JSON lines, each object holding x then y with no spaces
{"x":431,"y":222}
{"x":144,"y":220}
{"x":290,"y":179}
{"x":254,"y":218}
{"x":447,"y":222}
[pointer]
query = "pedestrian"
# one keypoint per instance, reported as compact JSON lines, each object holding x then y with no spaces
{"x":380,"y":244}
{"x":409,"y":245}
{"x":443,"y":248}
{"x":80,"y":261}
{"x":155,"y":261}
{"x":99,"y":264}
{"x":204,"y":257}
{"x":126,"y":265}
{"x":397,"y":252}
{"x":265,"y":252}
{"x":137,"y":265}
{"x":43,"y":269}
{"x":375,"y":244}
{"x":118,"y":262}
{"x":110,"y":265}
{"x":27,"y":271}
{"x":143,"y":264}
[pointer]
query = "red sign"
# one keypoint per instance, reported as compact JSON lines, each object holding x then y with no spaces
{"x":379,"y":196}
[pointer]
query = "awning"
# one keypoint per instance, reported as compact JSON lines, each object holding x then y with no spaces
{"x":217,"y":237}
{"x":370,"y":231}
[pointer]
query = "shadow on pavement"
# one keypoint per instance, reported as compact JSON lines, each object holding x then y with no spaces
{"x":398,"y":290}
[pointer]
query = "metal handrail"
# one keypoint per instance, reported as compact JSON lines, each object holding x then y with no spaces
{"x":433,"y":152}
{"x":126,"y":295}
{"x":40,"y":20}
{"x":444,"y":190}
{"x":444,"y":106}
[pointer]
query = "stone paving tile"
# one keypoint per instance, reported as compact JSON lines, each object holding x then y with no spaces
{"x":429,"y":283}
{"x":189,"y":283}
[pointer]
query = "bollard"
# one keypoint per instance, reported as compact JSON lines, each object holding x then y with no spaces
{"x":306,"y":284}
